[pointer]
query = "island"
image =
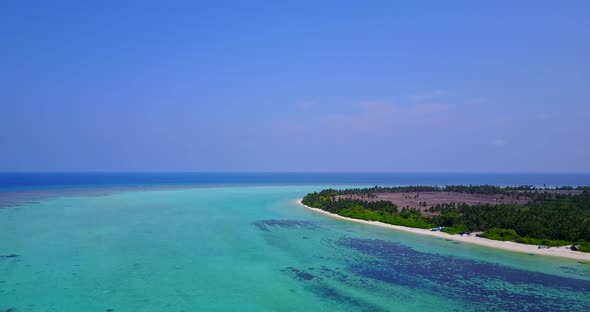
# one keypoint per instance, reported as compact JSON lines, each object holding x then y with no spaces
{"x":546,"y":221}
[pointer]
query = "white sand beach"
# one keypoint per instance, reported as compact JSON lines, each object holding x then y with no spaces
{"x":563,"y":252}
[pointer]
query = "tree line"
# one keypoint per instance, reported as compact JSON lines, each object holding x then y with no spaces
{"x":522,"y":190}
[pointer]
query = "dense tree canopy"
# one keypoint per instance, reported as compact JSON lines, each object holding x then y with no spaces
{"x":549,"y":218}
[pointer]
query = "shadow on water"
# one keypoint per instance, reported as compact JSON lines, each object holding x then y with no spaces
{"x":370,"y":265}
{"x":266,"y":225}
{"x":480,"y":283}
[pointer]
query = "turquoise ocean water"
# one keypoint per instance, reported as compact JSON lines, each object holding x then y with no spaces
{"x":252,"y":248}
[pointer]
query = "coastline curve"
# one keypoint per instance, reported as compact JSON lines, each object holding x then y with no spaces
{"x":562,"y":252}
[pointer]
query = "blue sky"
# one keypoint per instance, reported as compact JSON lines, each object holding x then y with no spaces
{"x":414,"y":86}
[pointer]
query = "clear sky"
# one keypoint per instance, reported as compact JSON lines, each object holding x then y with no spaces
{"x":446,"y":86}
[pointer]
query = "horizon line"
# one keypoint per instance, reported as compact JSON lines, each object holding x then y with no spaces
{"x":290,"y":172}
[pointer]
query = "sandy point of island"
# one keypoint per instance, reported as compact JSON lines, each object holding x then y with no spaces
{"x":510,"y":246}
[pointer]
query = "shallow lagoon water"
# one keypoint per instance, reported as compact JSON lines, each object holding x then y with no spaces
{"x":255,"y":249}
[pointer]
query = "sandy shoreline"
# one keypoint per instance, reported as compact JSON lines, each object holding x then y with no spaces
{"x":510,"y":246}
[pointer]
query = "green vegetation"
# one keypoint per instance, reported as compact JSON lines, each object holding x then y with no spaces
{"x":456,"y":229}
{"x":511,"y":235}
{"x":538,"y":241}
{"x":551,"y":219}
{"x":583,"y":245}
{"x":385,"y":217}
{"x":500,"y":234}
{"x":383,"y":211}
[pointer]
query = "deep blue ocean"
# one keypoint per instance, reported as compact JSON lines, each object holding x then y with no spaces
{"x":23,"y":181}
